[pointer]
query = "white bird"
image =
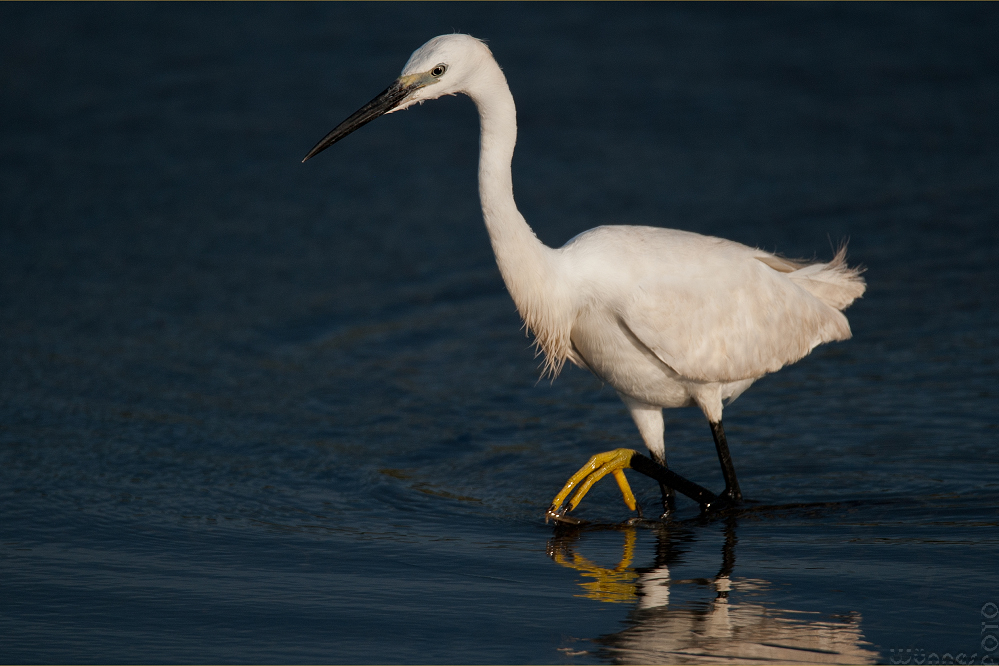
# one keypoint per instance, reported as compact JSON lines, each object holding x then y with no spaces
{"x":668,"y":318}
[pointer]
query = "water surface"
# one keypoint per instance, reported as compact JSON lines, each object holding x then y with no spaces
{"x":259,"y":411}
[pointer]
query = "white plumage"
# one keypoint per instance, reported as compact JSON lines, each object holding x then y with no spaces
{"x":668,"y":318}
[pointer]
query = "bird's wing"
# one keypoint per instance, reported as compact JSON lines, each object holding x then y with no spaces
{"x":737,"y":321}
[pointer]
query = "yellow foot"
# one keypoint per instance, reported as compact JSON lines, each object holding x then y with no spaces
{"x":609,"y":462}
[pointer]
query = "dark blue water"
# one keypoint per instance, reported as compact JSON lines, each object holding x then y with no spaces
{"x":259,"y":411}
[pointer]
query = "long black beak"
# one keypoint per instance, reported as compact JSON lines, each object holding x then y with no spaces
{"x":385,"y":102}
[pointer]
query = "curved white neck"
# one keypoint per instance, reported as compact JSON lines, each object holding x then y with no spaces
{"x":528,"y":266}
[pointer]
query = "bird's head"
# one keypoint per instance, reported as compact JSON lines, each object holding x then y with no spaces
{"x":443,"y":66}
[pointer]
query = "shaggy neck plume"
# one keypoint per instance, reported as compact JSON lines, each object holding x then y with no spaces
{"x":528,"y":266}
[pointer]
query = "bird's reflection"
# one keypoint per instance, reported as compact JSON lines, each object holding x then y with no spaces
{"x":618,"y":584}
{"x":721,"y":627}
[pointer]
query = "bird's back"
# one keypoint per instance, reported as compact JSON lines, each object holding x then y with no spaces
{"x":713,"y":310}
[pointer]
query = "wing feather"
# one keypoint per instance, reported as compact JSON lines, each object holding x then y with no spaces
{"x":742,"y":319}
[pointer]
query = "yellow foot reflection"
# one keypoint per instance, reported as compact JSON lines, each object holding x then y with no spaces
{"x":615,"y":585}
{"x":610,"y":462}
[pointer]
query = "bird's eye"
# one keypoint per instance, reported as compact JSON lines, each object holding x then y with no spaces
{"x":439,"y":70}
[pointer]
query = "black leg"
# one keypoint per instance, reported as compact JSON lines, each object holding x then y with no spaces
{"x":725,"y":458}
{"x":671,"y":479}
{"x":669,"y":497}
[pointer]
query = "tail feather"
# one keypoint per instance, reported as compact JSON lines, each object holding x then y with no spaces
{"x":834,"y":283}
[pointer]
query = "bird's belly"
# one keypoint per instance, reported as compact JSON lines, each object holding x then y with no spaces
{"x":613,"y":354}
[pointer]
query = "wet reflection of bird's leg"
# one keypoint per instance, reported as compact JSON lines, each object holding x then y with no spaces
{"x":610,"y":584}
{"x":728,"y":548}
{"x":723,"y":579}
{"x":727,"y":628}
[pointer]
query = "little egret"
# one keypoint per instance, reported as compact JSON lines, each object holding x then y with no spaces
{"x":668,"y":318}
